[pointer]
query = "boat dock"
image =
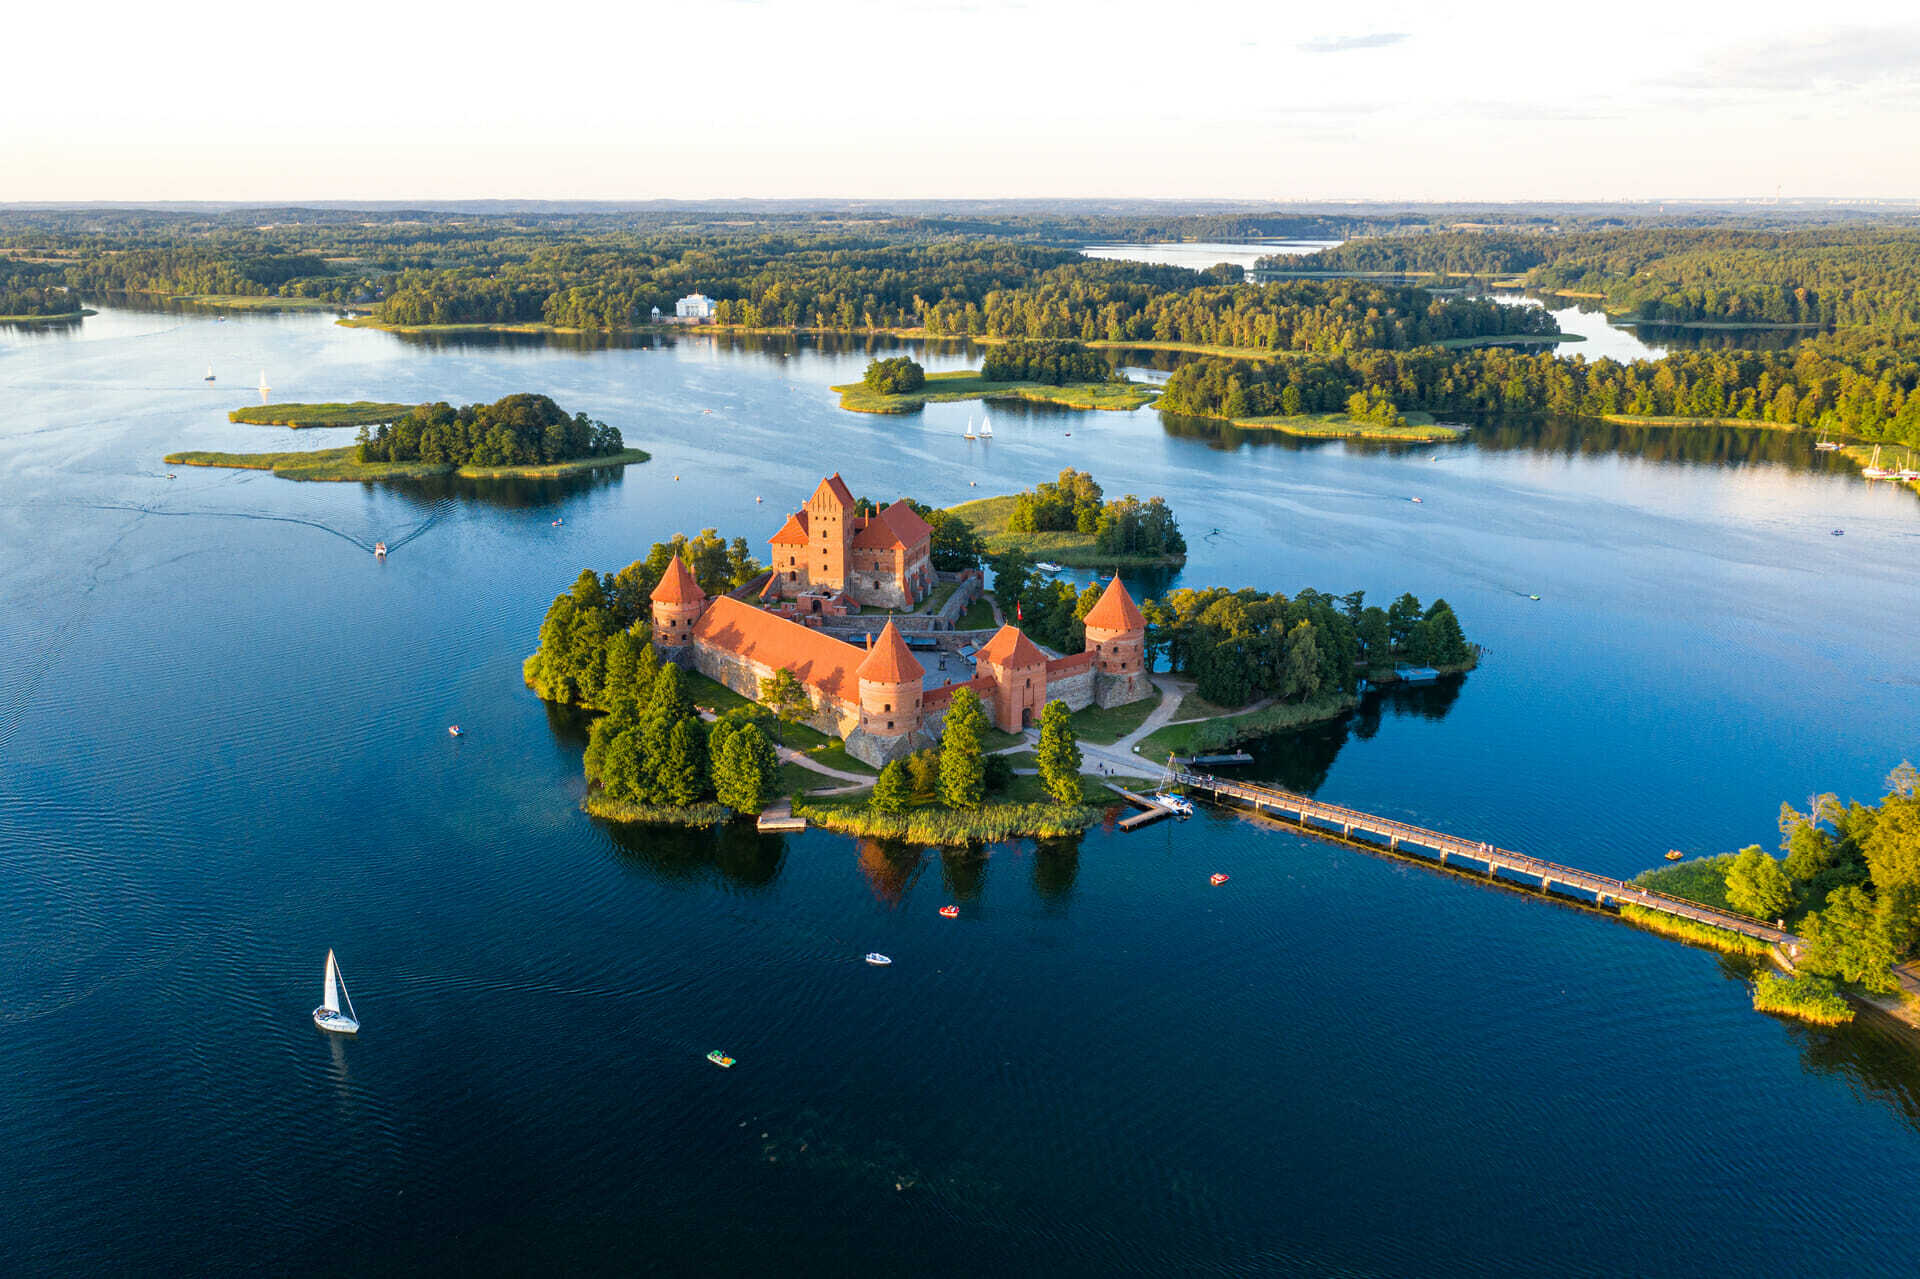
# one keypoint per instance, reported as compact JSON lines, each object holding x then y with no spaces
{"x":1230,"y":757}
{"x":1152,"y":812}
{"x":1332,"y":821}
{"x":779,"y":817}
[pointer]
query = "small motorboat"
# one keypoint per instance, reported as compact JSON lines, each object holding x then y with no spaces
{"x":1414,"y":500}
{"x":1068,"y":434}
{"x":380,"y":550}
{"x":1533,"y":597}
{"x":556,"y":524}
{"x":1048,"y":566}
{"x":758,"y":500}
{"x":1839,"y":532}
{"x":334,"y":989}
{"x":877,"y":959}
{"x":1178,"y":805}
{"x":1216,"y":879}
{"x":949,"y":912}
{"x":453,"y":730}
{"x":172,"y":476}
{"x":720,"y":1059}
{"x":1674,"y":855}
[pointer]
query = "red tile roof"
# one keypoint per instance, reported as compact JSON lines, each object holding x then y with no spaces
{"x":677,"y":585}
{"x":816,"y":659}
{"x":938,"y":699}
{"x":837,"y":487}
{"x":1116,"y":611}
{"x":1070,"y":665}
{"x":889,"y":662}
{"x":1010,"y":647}
{"x":794,"y":530}
{"x":898,"y":525}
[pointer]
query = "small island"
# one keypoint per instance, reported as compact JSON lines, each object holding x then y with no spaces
{"x":1846,"y":882}
{"x":358,"y":413}
{"x":1069,"y":522}
{"x":1414,"y":427}
{"x":35,"y":305}
{"x":1064,"y":373}
{"x":519,"y":437}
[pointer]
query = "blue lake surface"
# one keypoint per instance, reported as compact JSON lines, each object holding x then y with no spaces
{"x":223,"y":750}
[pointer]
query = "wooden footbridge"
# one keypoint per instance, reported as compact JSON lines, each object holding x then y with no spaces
{"x":1332,"y":820}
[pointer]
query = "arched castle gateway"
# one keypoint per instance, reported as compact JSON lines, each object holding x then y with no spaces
{"x":876,"y":697}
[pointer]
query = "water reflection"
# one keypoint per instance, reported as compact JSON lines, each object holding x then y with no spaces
{"x":741,"y":854}
{"x":963,"y":872}
{"x":1300,"y":761}
{"x":1056,"y":864}
{"x":890,"y":867}
{"x":513,"y":493}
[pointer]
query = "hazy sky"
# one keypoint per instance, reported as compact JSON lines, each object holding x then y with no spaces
{"x":1205,"y":98}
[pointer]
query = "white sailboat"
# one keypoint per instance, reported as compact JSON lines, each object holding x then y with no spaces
{"x":328,"y":1015}
{"x":970,"y":434}
{"x":1873,"y":470}
{"x":209,"y":376}
{"x":986,"y":426}
{"x":264,"y":388}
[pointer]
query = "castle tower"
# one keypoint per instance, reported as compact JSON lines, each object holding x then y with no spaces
{"x":891,"y":680}
{"x":1018,"y":670}
{"x":1117,"y":638}
{"x":678,"y":602}
{"x":830,"y":533}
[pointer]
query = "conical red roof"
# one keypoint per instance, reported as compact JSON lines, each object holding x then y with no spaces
{"x":677,"y":585}
{"x":1011,"y":647}
{"x":890,"y":661}
{"x":1115,"y":611}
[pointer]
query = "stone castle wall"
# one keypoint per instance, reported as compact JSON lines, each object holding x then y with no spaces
{"x":1076,"y":690}
{"x":834,"y":718}
{"x":1119,"y":689}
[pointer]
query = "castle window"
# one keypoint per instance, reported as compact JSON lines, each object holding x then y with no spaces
{"x":888,"y":708}
{"x":889,"y":723}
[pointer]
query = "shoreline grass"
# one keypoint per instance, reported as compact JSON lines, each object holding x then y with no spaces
{"x":966,"y":384}
{"x":696,"y":815}
{"x":253,"y":302}
{"x":1802,"y":995}
{"x":1419,"y":428}
{"x":1202,"y":736}
{"x":1752,"y":424}
{"x":297,"y":416}
{"x":1016,"y":814}
{"x":61,"y":318}
{"x":331,"y":465}
{"x":1688,"y":930}
{"x":989,"y":517}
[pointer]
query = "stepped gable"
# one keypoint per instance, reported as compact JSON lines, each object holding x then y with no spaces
{"x":677,"y":585}
{"x":836,"y":486}
{"x":1115,"y":611}
{"x":794,"y":531}
{"x":816,"y":659}
{"x":1010,"y":647}
{"x":897,"y":526}
{"x":889,"y":661}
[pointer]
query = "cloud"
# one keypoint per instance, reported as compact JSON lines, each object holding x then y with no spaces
{"x":1347,"y":44}
{"x":1841,"y":59}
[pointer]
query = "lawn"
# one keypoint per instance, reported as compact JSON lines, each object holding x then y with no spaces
{"x":978,"y":617}
{"x":358,"y":413}
{"x":1217,"y":734}
{"x":1104,"y":725}
{"x":967,"y":384}
{"x":1338,"y":426}
{"x":339,"y":464}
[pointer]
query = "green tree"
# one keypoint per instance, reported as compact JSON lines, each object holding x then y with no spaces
{"x":894,"y":376}
{"x":745,"y":769}
{"x":1892,"y":847}
{"x":1058,"y":758}
{"x":1301,"y":677}
{"x":683,"y":771}
{"x":923,"y":770}
{"x":785,"y":696}
{"x":1853,"y":939}
{"x":962,"y":774}
{"x":1758,"y":885}
{"x":1376,"y":640}
{"x":893,"y":789}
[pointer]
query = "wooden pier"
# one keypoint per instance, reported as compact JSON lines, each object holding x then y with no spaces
{"x":1332,"y":820}
{"x":1152,"y":810}
{"x":779,"y":817}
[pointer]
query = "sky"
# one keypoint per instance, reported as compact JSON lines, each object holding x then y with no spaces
{"x":1206,"y":99}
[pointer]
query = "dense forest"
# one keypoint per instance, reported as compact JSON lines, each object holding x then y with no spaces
{"x":1847,"y":383}
{"x":1833,"y":276}
{"x":519,"y":430}
{"x":1055,"y":363}
{"x":32,"y":301}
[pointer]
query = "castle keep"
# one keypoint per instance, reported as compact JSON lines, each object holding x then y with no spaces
{"x":828,"y":561}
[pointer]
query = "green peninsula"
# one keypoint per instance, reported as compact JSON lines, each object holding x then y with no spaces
{"x":358,"y":413}
{"x":967,"y":384}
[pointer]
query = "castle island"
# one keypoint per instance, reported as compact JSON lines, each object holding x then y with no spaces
{"x":828,"y":562}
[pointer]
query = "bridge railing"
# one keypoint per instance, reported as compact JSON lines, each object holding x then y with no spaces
{"x":1478,"y":850}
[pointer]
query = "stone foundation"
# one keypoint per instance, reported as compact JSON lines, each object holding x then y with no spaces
{"x":1118,"y":690}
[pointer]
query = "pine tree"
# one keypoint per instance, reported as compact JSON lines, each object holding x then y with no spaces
{"x":1058,"y":758}
{"x":893,"y":789}
{"x":1446,"y":645}
{"x":745,"y":770}
{"x":683,"y":772}
{"x":963,"y":777}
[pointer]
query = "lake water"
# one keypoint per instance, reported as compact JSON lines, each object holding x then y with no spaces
{"x":223,"y":750}
{"x":1198,"y":255}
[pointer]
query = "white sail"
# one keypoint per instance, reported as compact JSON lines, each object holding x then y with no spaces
{"x":332,"y":1000}
{"x":263,"y":379}
{"x":986,"y":427}
{"x":969,"y":426}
